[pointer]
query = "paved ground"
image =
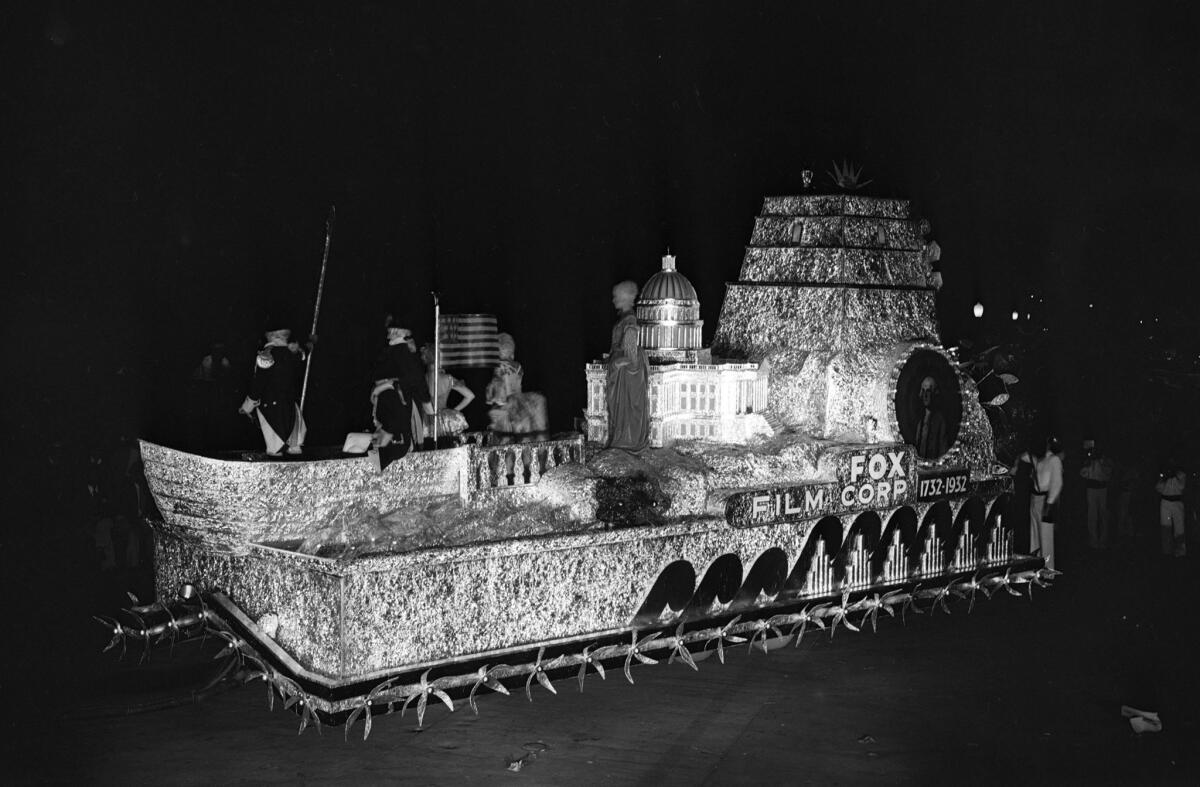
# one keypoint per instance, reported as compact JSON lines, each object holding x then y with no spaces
{"x":1014,"y":692}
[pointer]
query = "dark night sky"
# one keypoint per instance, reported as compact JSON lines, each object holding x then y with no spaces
{"x":178,"y":161}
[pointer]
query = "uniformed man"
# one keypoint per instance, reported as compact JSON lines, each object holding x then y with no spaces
{"x":275,"y":392}
{"x":398,"y":397}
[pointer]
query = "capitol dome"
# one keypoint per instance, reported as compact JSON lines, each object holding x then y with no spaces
{"x":669,"y":284}
{"x":668,"y":314}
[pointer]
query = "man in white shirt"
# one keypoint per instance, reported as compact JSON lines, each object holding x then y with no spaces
{"x":1043,"y":504}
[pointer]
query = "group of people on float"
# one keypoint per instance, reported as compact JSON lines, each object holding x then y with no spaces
{"x":402,"y":407}
{"x":405,"y":382}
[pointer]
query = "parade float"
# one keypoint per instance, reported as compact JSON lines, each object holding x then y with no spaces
{"x":823,"y":462}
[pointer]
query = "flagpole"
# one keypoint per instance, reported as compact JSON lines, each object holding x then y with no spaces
{"x":437,"y":361}
{"x":317,"y":307}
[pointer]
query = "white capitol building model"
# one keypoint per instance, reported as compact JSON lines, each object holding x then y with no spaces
{"x":691,"y":397}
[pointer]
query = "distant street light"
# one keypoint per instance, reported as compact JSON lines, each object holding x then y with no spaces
{"x":978,"y":309}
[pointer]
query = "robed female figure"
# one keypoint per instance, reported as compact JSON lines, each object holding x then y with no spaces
{"x":627,"y":377}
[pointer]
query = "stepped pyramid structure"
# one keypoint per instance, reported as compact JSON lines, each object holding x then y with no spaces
{"x":830,"y":332}
{"x":833,"y":295}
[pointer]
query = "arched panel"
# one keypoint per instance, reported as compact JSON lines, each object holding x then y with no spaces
{"x":854,"y":558}
{"x":998,"y":546}
{"x":932,"y":537}
{"x":675,"y":586}
{"x":967,"y":534}
{"x":867,"y":526}
{"x":972,"y":514}
{"x":890,"y":559}
{"x":720,"y":584}
{"x":826,"y":536}
{"x":766,"y":576}
{"x":998,"y":510}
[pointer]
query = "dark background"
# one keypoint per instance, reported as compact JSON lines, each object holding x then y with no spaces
{"x":172,"y":165}
{"x":178,"y":161}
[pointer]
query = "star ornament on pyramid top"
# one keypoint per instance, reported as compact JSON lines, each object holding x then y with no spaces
{"x":846,"y":176}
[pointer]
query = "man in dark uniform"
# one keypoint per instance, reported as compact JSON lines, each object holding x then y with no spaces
{"x":399,"y":396}
{"x":275,"y":392}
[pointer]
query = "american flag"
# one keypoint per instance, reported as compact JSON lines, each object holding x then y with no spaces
{"x":468,"y":340}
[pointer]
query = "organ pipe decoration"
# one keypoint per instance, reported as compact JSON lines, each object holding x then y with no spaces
{"x":931,"y":555}
{"x":894,"y":568}
{"x":820,"y":572}
{"x":858,"y":565}
{"x":964,"y":551}
{"x":999,"y":548}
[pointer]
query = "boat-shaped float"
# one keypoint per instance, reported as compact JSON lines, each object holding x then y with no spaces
{"x":793,"y":483}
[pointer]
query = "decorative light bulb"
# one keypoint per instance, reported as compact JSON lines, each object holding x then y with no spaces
{"x":978,"y":309}
{"x":1016,"y":316}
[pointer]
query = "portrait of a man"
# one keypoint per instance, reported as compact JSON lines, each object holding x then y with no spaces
{"x":928,"y":404}
{"x":931,"y":432}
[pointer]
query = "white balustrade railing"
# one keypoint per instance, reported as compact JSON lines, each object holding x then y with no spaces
{"x":522,"y":464}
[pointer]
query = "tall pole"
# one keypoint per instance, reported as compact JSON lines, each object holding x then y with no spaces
{"x":437,"y":361}
{"x":317,"y":307}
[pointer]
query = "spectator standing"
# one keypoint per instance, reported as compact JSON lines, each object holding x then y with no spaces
{"x":1096,"y":472}
{"x":1043,"y":505}
{"x":1170,"y":489}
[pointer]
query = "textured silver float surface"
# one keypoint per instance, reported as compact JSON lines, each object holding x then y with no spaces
{"x":300,"y":589}
{"x":347,"y":618}
{"x":403,"y":610}
{"x":785,"y":458}
{"x":861,"y":231}
{"x":799,"y":264}
{"x":239,"y":502}
{"x":827,"y":348}
{"x":976,"y":447}
{"x":835,"y":205}
{"x":760,"y":321}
